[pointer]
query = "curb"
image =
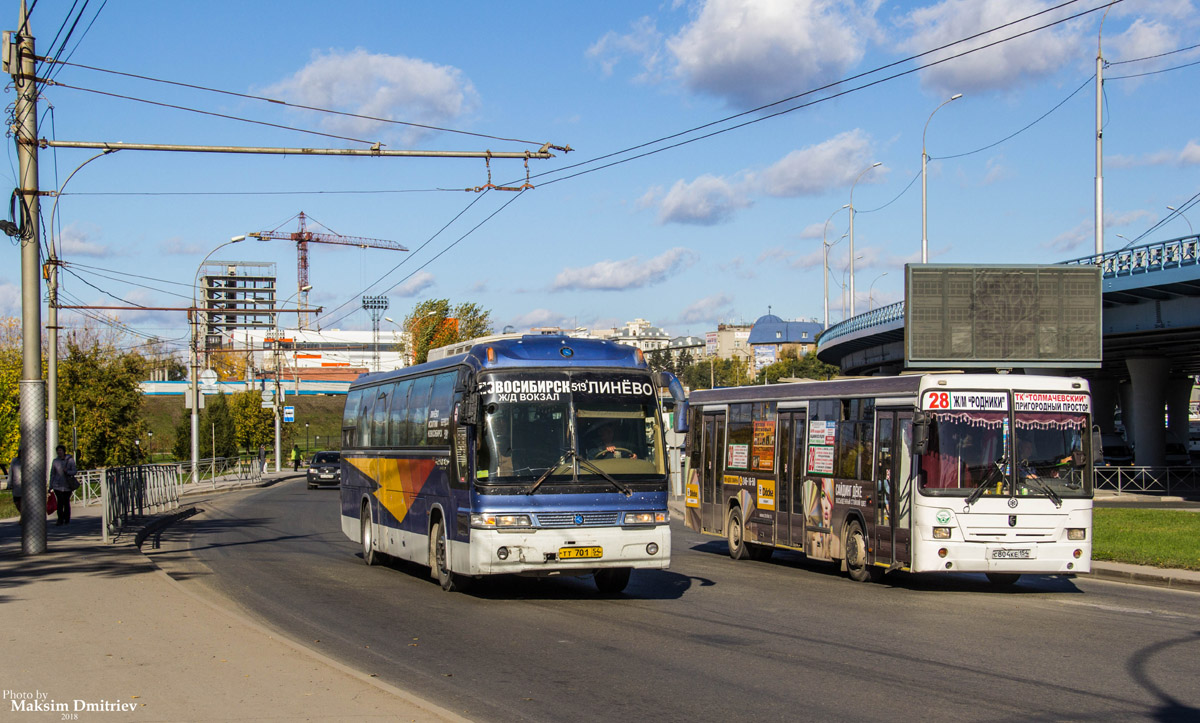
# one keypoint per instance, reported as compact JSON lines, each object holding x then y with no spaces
{"x":1151,"y":579}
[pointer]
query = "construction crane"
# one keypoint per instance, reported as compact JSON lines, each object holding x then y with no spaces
{"x":303,"y":237}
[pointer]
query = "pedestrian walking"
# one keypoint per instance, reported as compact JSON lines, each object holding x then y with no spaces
{"x":262,"y":458}
{"x":63,"y":483}
{"x":295,"y":457}
{"x":14,"y":480}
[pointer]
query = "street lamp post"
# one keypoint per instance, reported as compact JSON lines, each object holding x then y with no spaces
{"x":925,"y":187}
{"x":1172,"y":209}
{"x":825,"y":246}
{"x":871,"y":290}
{"x":306,"y":437}
{"x":195,"y":391}
{"x":151,"y":435}
{"x":876,"y":164}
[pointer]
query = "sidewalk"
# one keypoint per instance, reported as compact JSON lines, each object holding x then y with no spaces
{"x":99,"y":625}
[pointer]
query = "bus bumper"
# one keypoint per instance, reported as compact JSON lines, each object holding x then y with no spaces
{"x":495,"y":552}
{"x":1050,"y":558}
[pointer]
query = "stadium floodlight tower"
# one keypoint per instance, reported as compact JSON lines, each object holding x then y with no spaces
{"x":375,"y":306}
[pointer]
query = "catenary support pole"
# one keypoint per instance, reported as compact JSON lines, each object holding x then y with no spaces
{"x":32,"y":388}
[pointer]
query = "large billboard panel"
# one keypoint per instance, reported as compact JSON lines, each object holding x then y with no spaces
{"x":969,"y":316}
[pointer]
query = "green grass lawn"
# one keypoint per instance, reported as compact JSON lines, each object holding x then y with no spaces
{"x":1162,"y":538}
{"x":7,"y":508}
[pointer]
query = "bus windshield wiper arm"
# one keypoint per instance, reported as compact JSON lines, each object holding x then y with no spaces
{"x":984,"y":485}
{"x":624,"y":489}
{"x":1045,"y":488}
{"x":546,"y":474}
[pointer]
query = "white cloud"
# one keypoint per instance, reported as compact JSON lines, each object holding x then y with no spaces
{"x":752,"y":52}
{"x":816,"y":169}
{"x":175,"y":246}
{"x":541,"y":317}
{"x":419,"y":282}
{"x":75,"y":241}
{"x":996,"y":171}
{"x":631,"y":273}
{"x":706,"y":201}
{"x":737,"y":267}
{"x":707,"y":310}
{"x":1007,"y":65}
{"x":643,"y":41}
{"x":1189,"y":156}
{"x":10,"y":299}
{"x":378,"y":85}
{"x":1070,"y":241}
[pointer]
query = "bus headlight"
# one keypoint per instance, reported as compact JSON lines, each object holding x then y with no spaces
{"x":646,"y":518}
{"x":1076,"y":533}
{"x":489,"y":521}
{"x":942,"y":533}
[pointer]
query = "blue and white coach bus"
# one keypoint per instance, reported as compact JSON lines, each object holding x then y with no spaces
{"x":539,"y":455}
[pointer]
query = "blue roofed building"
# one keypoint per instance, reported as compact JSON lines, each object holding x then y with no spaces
{"x":771,"y":336}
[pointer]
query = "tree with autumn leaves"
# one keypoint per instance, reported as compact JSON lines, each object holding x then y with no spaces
{"x":434,"y":323}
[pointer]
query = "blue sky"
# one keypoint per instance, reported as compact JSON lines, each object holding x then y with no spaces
{"x":718,"y":229}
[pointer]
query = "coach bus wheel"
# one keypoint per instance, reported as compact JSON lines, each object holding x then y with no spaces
{"x":449,"y":581}
{"x":736,"y":534}
{"x":856,"y":554}
{"x":367,"y":536}
{"x":612,"y":580}
{"x":1002,"y":578}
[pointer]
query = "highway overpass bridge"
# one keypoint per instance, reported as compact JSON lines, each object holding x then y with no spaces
{"x":1151,"y":342}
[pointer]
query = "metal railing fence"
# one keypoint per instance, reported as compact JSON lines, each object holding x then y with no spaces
{"x":1149,"y":480}
{"x":130,"y":492}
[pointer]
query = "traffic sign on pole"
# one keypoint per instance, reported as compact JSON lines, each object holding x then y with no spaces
{"x":289,"y":414}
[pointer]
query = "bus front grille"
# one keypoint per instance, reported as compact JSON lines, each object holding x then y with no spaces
{"x":577,"y":519}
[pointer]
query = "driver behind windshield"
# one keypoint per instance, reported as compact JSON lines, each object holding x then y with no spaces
{"x":603,"y":444}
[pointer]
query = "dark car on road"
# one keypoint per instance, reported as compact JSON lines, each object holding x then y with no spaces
{"x":325,"y":468}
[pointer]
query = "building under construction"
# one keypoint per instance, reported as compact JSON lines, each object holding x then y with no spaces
{"x":236,"y":296}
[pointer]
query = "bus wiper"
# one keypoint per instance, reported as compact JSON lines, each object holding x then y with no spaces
{"x":546,"y":474}
{"x":985,"y":484}
{"x":1045,"y":488}
{"x":623,"y":488}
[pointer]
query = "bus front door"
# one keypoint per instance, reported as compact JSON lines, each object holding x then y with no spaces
{"x":893,"y":487}
{"x":712,"y":464}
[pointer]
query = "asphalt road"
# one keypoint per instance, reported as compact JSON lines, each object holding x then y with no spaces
{"x":709,"y":639}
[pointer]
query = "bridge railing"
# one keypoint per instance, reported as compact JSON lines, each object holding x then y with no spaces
{"x":1149,"y":480}
{"x":1155,"y":256}
{"x":874,"y":317}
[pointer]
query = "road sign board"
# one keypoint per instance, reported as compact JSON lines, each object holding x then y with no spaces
{"x":289,"y":414}
{"x":208,"y":376}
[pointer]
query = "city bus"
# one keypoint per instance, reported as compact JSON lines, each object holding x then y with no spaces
{"x":986,"y":473}
{"x":538,"y":455}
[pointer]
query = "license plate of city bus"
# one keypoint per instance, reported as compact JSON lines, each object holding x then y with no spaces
{"x":574,"y":553}
{"x":1012,"y":553}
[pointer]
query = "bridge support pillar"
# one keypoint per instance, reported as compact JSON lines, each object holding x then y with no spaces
{"x":1179,"y":393}
{"x":1104,"y":403}
{"x":1148,"y":376}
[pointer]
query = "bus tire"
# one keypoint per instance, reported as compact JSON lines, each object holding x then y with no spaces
{"x":1003,"y":579}
{"x":366,"y":536}
{"x":856,"y":554}
{"x":735,"y":534}
{"x":612,"y":580}
{"x":439,"y":563}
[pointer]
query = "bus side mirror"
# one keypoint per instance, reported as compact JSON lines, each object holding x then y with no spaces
{"x":469,"y":410}
{"x":671,"y":383}
{"x":920,"y":433}
{"x":681,"y":417}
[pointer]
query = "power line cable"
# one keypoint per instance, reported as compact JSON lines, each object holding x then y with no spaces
{"x":1153,"y":72}
{"x":1152,"y":57}
{"x":76,"y":264}
{"x":1185,"y":206}
{"x":346,"y":192}
{"x":299,"y":106}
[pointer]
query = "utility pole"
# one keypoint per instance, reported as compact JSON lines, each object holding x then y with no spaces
{"x":33,"y":389}
{"x":1100,"y":137}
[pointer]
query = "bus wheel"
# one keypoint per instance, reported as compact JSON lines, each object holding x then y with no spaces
{"x":1003,"y":579}
{"x":367,"y":536}
{"x":612,"y":580}
{"x":735,"y":532}
{"x":856,"y":554}
{"x":438,"y":562}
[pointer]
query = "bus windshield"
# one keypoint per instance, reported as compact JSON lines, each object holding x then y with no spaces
{"x":565,"y":427}
{"x":972,"y":449}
